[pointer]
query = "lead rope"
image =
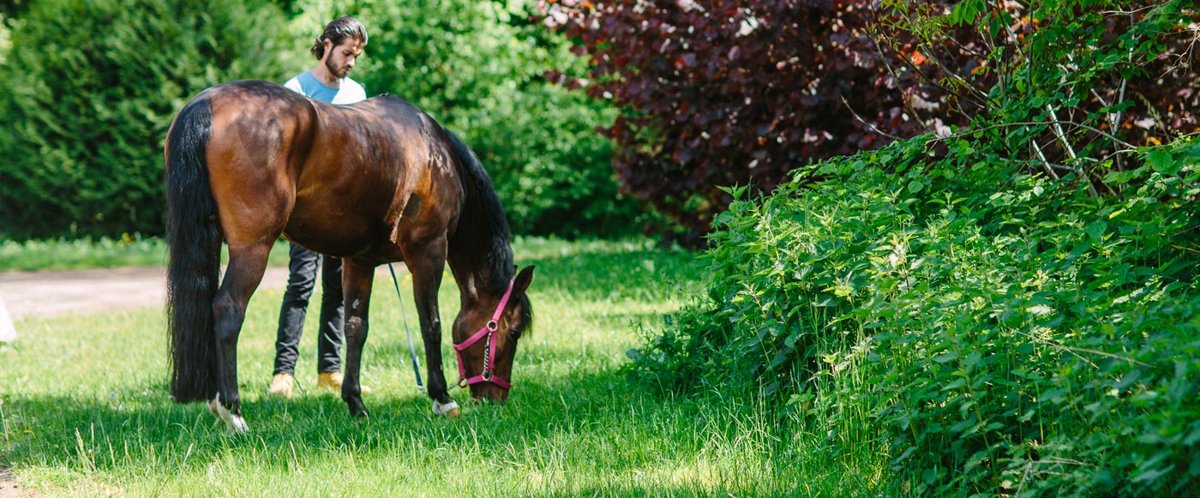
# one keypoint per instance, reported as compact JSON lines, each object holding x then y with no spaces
{"x":412,"y":352}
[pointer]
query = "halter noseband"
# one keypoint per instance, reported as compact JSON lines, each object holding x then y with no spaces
{"x":489,"y":349}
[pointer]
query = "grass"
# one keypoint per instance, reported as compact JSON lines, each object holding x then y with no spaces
{"x":128,"y":251}
{"x":86,"y":411}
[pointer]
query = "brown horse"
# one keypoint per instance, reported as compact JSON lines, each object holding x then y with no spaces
{"x":374,"y":182}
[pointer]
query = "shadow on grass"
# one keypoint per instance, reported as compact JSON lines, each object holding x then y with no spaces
{"x":586,"y":423}
{"x":44,"y":428}
{"x":573,"y":416}
{"x":609,"y":286}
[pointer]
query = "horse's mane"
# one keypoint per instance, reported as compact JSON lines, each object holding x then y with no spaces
{"x":485,"y":205}
{"x":483,"y":215}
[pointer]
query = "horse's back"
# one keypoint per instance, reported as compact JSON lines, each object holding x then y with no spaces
{"x":354,"y":180}
{"x":380,"y":175}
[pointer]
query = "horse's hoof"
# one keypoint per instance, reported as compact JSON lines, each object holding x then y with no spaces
{"x":234,"y":423}
{"x":449,"y":409}
{"x":357,"y":409}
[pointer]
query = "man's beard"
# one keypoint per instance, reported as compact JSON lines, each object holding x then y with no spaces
{"x":334,"y":71}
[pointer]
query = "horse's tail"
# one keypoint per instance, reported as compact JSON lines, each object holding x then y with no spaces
{"x":194,"y":239}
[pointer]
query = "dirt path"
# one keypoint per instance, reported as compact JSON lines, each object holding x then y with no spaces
{"x":49,"y":293}
{"x":8,"y":486}
{"x":58,"y":292}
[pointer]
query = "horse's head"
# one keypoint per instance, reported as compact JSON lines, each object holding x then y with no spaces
{"x":486,"y":334}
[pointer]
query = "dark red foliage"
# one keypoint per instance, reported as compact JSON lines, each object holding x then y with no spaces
{"x":718,"y":93}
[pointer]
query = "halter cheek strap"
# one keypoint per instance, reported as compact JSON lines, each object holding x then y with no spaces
{"x":489,"y":349}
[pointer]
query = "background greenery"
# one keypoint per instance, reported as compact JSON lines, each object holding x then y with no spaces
{"x":5,"y":39}
{"x":88,"y":92}
{"x":94,"y":86}
{"x":74,"y":254}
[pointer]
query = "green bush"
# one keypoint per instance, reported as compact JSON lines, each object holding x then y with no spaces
{"x":478,"y":67}
{"x":89,"y":90}
{"x":995,"y":334}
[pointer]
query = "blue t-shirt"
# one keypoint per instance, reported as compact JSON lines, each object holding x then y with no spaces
{"x":308,"y":85}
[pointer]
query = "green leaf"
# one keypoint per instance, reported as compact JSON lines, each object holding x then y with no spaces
{"x":1161,"y":160}
{"x":966,"y":12}
{"x":1096,"y":231}
{"x":946,"y":357}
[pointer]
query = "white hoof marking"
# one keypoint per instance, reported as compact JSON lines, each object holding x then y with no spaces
{"x":234,"y":424}
{"x":449,"y":409}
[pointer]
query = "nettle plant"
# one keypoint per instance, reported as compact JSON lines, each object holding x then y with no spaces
{"x":1001,"y":333}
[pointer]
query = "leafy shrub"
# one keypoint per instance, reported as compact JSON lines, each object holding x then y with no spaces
{"x":741,"y":92}
{"x":477,"y":66}
{"x":1007,"y":334}
{"x":89,"y":90}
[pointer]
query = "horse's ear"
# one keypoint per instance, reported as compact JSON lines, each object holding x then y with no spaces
{"x":522,"y":281}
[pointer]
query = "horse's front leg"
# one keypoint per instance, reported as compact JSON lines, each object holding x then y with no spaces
{"x":245,"y":271}
{"x":357,"y":279}
{"x":426,"y":267}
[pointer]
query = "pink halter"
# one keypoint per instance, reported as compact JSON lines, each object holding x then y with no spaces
{"x":489,"y":352}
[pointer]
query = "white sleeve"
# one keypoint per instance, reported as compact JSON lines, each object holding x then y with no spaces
{"x":294,"y":85}
{"x":350,"y":92}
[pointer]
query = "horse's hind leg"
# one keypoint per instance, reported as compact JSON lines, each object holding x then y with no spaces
{"x":246,"y":266}
{"x":357,"y":279}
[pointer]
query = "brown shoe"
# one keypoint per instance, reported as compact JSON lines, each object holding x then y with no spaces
{"x":281,"y":385}
{"x":333,"y":382}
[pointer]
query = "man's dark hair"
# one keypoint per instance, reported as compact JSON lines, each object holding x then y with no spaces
{"x":337,"y":31}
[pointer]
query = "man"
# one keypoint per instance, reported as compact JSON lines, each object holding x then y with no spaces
{"x":336,"y":50}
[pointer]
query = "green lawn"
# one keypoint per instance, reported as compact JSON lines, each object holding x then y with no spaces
{"x":34,"y":255}
{"x":86,"y":410}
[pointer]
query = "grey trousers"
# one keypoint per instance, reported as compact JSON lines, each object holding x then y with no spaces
{"x":302,"y":278}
